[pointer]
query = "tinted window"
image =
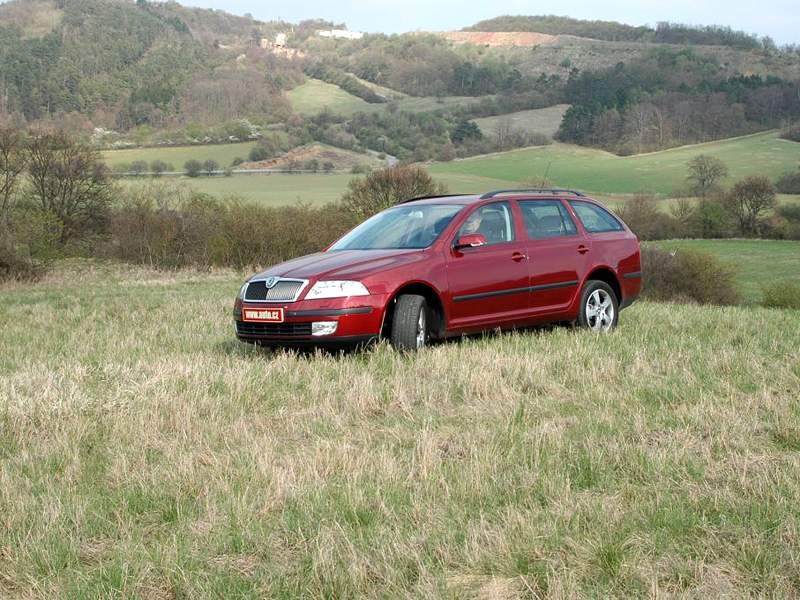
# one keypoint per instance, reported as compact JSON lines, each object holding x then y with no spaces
{"x":494,"y":221}
{"x":594,"y":218}
{"x":404,"y":227}
{"x":547,"y":219}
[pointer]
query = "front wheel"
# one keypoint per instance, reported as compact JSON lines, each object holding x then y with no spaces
{"x":410,"y":322}
{"x":599,"y":307}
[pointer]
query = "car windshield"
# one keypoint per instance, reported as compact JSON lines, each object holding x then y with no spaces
{"x":402,"y":228}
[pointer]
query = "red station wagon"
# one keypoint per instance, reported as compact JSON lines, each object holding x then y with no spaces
{"x":433,"y":268}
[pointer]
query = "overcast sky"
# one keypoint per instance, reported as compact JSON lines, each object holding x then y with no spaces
{"x":779,"y":19}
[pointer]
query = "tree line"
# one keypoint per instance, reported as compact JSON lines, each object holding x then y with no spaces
{"x":671,"y":98}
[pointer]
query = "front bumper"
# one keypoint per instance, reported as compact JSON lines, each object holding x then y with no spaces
{"x":358,"y":319}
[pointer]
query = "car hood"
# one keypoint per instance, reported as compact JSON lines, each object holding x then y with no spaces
{"x":343,"y":264}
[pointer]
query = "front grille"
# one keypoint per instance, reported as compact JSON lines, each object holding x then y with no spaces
{"x":286,"y":290}
{"x":274,"y":329}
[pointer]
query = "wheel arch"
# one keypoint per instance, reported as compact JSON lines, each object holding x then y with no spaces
{"x":606,"y":275}
{"x":432,"y":297}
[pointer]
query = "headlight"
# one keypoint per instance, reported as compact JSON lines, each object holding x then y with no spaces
{"x":243,"y":290}
{"x":336,"y":289}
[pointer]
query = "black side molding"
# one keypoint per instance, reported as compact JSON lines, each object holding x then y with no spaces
{"x":533,"y":288}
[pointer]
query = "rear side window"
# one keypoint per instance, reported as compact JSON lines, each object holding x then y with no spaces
{"x":594,"y":218}
{"x":546,"y":219}
{"x":494,"y":221}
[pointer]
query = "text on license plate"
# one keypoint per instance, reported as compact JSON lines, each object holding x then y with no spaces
{"x":263,"y":315}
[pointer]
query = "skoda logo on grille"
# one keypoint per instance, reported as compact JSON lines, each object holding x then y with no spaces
{"x":270,"y":282}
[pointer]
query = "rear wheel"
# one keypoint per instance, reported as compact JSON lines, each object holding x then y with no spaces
{"x":410,"y":322}
{"x":599,"y":307}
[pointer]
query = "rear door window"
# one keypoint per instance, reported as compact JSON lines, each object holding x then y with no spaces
{"x":594,"y":218}
{"x":546,"y":219}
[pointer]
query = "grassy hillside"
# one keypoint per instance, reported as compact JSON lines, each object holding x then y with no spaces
{"x":145,"y":453}
{"x":661,"y":172}
{"x":314,"y":96}
{"x":540,"y":120}
{"x":757,"y":262}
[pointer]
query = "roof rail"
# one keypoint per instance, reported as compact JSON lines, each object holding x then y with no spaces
{"x":433,"y":196}
{"x":488,"y":195}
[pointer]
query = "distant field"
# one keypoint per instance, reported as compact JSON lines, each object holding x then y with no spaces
{"x":757,"y":262}
{"x":178,"y":155}
{"x":540,"y":120}
{"x":147,"y":454}
{"x":660,"y":172}
{"x":314,"y":95}
{"x":280,"y":189}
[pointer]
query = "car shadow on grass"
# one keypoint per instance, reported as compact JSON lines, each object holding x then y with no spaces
{"x":245,"y":350}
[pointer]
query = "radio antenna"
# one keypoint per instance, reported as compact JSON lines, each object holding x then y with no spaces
{"x":546,"y":173}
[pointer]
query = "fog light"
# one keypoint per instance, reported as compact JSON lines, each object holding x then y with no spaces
{"x":324,"y":327}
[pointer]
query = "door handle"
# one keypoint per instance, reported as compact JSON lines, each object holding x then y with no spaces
{"x":518,"y":256}
{"x":583,"y":249}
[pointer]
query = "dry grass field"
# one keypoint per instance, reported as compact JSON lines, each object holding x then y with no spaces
{"x":145,"y":453}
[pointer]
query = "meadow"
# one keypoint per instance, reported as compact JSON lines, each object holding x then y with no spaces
{"x":609,"y":177}
{"x":538,"y":120}
{"x":314,"y":96}
{"x":659,"y":172}
{"x":146,"y":453}
{"x":758,"y":263}
{"x":178,"y":155}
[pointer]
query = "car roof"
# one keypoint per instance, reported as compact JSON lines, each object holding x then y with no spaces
{"x":513,"y":194}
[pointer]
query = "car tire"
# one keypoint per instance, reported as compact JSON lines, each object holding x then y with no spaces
{"x":599,"y":307}
{"x":410,"y":322}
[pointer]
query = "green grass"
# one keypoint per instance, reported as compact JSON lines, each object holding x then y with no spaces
{"x":757,"y":262}
{"x":145,"y":453}
{"x":281,"y":189}
{"x":178,"y":155}
{"x":314,"y":95}
{"x":539,"y":120}
{"x":660,"y":172}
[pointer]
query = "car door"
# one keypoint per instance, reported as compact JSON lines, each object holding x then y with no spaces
{"x":557,"y":254}
{"x":488,"y":284}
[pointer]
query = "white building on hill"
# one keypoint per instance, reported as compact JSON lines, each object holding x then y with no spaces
{"x":343,"y":34}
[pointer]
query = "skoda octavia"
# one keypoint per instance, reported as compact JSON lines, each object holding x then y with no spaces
{"x":432,"y":268}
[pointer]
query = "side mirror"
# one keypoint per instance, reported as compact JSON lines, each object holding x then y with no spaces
{"x":470,"y":240}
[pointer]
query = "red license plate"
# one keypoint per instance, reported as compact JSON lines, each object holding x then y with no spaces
{"x":263,"y":315}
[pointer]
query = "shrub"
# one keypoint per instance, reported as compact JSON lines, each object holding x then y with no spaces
{"x":782,"y":294}
{"x":791,"y":133}
{"x":193,"y":168}
{"x":687,"y":275}
{"x":386,"y":187}
{"x":646,"y":220}
{"x":789,"y":183}
{"x":210,"y":166}
{"x":710,"y":219}
{"x":748,"y":200}
{"x":159,"y":167}
{"x":29,"y":240}
{"x":168,"y":227}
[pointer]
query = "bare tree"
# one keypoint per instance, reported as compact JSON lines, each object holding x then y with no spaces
{"x":748,"y":200}
{"x":503,"y":131}
{"x":68,"y":180}
{"x":12,"y":165}
{"x":705,"y":173}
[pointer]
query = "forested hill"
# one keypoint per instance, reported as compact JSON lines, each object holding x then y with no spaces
{"x":148,"y":72}
{"x":663,"y":33}
{"x":123,"y":63}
